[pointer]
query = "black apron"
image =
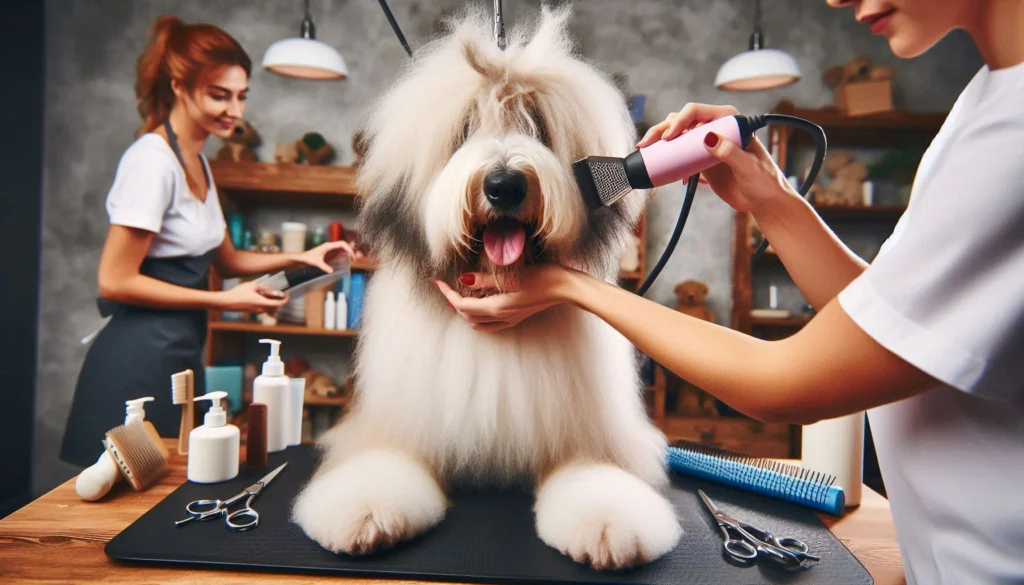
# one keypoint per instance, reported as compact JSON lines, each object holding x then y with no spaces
{"x":135,"y":355}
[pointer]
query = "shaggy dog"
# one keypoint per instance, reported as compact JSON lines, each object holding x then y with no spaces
{"x":468,"y":168}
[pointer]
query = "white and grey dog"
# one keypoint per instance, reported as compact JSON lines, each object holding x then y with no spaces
{"x":469,"y":169}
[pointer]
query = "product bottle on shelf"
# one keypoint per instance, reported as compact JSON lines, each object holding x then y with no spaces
{"x":329,"y":308}
{"x":342,"y":312}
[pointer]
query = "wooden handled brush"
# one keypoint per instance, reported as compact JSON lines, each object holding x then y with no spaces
{"x":133,"y":452}
{"x":182,"y":392}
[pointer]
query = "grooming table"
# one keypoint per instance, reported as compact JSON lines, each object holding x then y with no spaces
{"x":486,"y":536}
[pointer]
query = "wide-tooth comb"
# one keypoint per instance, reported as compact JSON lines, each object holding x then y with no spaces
{"x":764,"y":476}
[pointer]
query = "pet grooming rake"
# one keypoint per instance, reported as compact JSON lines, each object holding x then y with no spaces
{"x":764,"y":476}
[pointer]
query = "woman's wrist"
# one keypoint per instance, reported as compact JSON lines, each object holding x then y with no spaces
{"x":577,"y":289}
{"x":780,"y":210}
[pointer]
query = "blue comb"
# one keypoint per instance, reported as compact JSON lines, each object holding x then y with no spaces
{"x":771,"y":478}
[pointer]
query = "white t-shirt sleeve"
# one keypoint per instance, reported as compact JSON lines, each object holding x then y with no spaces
{"x":143,"y":188}
{"x":946,"y":293}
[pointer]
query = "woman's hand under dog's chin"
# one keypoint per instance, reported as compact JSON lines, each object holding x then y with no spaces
{"x":540,"y":286}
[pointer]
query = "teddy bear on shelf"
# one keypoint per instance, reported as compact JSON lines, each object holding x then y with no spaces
{"x":690,"y":295}
{"x":689,"y":398}
{"x":847,"y":186}
{"x":286,"y":153}
{"x":239,"y":146}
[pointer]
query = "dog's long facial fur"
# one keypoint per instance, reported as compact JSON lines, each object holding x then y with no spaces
{"x":535,"y":108}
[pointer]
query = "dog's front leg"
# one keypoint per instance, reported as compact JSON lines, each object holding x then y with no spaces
{"x":603,"y":516}
{"x":370,"y":502}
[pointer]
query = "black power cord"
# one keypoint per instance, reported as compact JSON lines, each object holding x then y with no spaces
{"x":756,"y":123}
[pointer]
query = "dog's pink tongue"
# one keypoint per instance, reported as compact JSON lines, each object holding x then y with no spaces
{"x":504,"y":241}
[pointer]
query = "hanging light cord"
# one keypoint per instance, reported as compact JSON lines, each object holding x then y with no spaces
{"x":394,"y":25}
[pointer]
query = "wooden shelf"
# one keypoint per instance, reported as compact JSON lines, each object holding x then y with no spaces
{"x":778,"y":321}
{"x":883,"y":129}
{"x":250,"y":327}
{"x":250,"y":183}
{"x":337,"y":401}
{"x":364,"y":264}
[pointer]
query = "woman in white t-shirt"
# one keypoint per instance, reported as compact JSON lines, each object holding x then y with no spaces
{"x":928,"y":338}
{"x":166,"y":228}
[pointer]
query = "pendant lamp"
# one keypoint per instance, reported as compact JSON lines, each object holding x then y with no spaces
{"x":305,"y":57}
{"x":757,"y":68}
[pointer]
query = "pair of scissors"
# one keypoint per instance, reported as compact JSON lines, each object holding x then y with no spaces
{"x":238,"y":521}
{"x":753,"y":541}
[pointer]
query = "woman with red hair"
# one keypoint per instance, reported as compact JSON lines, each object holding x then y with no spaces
{"x":166,"y":228}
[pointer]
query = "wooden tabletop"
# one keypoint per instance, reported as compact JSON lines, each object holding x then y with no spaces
{"x":59,"y":538}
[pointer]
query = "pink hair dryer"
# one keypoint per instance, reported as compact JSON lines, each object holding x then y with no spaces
{"x":603,"y":180}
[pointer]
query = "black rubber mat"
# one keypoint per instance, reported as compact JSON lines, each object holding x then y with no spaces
{"x":486,"y":537}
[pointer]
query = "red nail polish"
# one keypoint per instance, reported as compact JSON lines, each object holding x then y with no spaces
{"x":711,"y":139}
{"x":467,"y":278}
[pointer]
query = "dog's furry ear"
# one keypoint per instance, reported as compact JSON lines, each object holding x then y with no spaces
{"x":477,"y":58}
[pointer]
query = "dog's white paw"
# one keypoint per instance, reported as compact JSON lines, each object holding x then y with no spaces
{"x":602,"y":516}
{"x":370,"y":502}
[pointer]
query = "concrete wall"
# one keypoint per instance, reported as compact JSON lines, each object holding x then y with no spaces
{"x":670,"y":51}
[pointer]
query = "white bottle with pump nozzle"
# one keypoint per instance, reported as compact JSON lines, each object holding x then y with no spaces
{"x":273,"y":389}
{"x":213,"y":447}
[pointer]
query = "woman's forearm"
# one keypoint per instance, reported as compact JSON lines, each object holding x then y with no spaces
{"x":138,"y":289}
{"x":818,"y":262}
{"x":726,"y":363}
{"x":245,"y":263}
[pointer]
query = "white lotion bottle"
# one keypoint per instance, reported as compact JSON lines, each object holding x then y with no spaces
{"x":273,"y":389}
{"x":342,"y":311}
{"x":213,"y":447}
{"x":329,"y":307}
{"x":836,"y":446}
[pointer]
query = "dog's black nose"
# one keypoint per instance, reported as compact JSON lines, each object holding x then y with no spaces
{"x":505,"y":188}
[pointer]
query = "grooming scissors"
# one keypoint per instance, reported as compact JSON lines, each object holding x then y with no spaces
{"x":753,"y":541}
{"x":241,"y":519}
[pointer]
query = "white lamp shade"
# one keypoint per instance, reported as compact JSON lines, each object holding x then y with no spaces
{"x":306,"y":58}
{"x":757,"y":69}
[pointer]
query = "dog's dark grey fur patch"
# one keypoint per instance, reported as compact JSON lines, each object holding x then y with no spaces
{"x":391,"y":231}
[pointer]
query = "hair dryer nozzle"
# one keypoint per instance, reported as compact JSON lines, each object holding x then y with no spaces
{"x":603,"y":180}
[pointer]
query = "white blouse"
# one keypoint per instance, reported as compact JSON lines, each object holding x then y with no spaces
{"x":150,"y":192}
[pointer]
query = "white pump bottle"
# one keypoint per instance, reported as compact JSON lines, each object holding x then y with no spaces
{"x":213,"y":447}
{"x":273,"y":389}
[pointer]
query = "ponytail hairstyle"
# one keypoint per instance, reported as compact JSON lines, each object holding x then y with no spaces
{"x":179,"y":51}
